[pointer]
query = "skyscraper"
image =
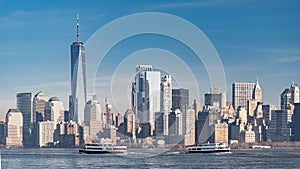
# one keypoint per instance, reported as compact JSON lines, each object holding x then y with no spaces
{"x":146,"y":99}
{"x":257,"y":92}
{"x":38,"y":106}
{"x":78,"y":78}
{"x":166,"y":101}
{"x":24,"y":102}
{"x":290,"y":96}
{"x":279,"y":129}
{"x":14,"y":128}
{"x":296,"y":122}
{"x":92,"y":112}
{"x":241,"y":93}
{"x":54,"y":110}
{"x":180,"y":98}
{"x":38,"y":112}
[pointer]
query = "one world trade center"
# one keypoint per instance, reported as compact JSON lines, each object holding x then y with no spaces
{"x":78,"y":78}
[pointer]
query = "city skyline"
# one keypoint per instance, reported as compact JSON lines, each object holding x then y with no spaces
{"x":35,"y":66}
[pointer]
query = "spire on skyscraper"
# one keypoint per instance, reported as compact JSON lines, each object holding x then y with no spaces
{"x":257,"y":84}
{"x":77,"y":27}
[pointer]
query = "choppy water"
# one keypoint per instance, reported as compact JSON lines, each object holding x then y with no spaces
{"x":70,"y":158}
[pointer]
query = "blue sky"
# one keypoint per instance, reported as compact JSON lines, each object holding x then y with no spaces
{"x":253,"y":38}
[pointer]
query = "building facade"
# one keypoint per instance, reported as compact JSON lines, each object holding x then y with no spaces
{"x":289,"y":96}
{"x":92,"y":113}
{"x":166,"y":100}
{"x":241,"y":93}
{"x":78,"y":78}
{"x":24,"y":104}
{"x":14,"y":128}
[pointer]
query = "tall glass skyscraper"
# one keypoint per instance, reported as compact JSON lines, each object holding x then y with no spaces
{"x":146,"y":94}
{"x":78,"y":78}
{"x":24,"y":102}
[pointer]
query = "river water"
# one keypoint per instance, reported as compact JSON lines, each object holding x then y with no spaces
{"x":70,"y":158}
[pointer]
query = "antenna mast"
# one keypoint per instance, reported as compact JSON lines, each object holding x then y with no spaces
{"x":77,"y":27}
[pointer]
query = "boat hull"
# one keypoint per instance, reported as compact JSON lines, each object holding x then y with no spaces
{"x":101,"y":152}
{"x":209,"y":151}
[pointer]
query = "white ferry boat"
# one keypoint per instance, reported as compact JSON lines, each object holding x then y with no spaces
{"x":96,"y":148}
{"x":260,"y":147}
{"x":209,"y":148}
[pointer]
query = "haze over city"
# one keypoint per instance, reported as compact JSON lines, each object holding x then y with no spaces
{"x":253,"y":40}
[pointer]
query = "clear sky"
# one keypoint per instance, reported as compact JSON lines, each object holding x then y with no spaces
{"x":253,"y":38}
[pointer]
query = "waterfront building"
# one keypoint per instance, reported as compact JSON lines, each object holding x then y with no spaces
{"x":166,"y":100}
{"x":14,"y":128}
{"x":296,"y":122}
{"x":78,"y":78}
{"x":2,"y":133}
{"x":54,"y":110}
{"x":189,"y":133}
{"x":92,"y":112}
{"x":24,"y":104}
{"x":279,"y":129}
{"x":46,"y":131}
{"x":249,"y":135}
{"x":220,"y":133}
{"x":69,"y":134}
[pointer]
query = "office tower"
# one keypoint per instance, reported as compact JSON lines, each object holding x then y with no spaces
{"x":69,"y":134}
{"x":147,"y":88}
{"x":202,"y":127}
{"x":109,"y":114}
{"x":267,"y":109}
{"x":197,"y":108}
{"x":38,"y":106}
{"x":180,"y":99}
{"x":166,"y":100}
{"x":242,"y":115}
{"x":296,"y":122}
{"x":24,"y":103}
{"x":78,"y":78}
{"x":189,"y":138}
{"x":14,"y":128}
{"x":241,"y":93}
{"x":46,"y":133}
{"x":159,"y":123}
{"x":54,"y":110}
{"x":251,"y":106}
{"x":215,"y":99}
{"x":92,"y":112}
{"x":249,"y":135}
{"x":129,"y":121}
{"x":175,"y":123}
{"x":38,"y":112}
{"x":257,"y":92}
{"x":119,"y":120}
{"x":220,"y":133}
{"x":2,"y":133}
{"x":279,"y":129}
{"x":290,"y":96}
